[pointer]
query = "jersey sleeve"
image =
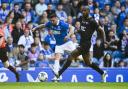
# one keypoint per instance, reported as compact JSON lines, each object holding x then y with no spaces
{"x":65,"y":25}
{"x":48,"y":25}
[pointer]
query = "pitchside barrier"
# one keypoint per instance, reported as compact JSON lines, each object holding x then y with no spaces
{"x":70,"y":75}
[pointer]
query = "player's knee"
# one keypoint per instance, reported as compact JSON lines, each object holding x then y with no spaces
{"x":6,"y":64}
{"x":71,"y":57}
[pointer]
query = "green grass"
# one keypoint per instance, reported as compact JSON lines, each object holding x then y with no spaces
{"x":63,"y":85}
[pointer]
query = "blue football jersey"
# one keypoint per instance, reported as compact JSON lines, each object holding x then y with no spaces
{"x":59,"y":31}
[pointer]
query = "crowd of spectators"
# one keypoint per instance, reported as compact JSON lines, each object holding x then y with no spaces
{"x":28,"y":47}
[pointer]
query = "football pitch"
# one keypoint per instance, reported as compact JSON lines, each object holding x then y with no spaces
{"x":47,"y":85}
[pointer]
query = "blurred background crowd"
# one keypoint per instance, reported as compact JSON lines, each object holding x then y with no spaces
{"x":28,"y":47}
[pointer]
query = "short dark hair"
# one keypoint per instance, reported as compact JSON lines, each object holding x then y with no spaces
{"x":45,"y":43}
{"x":33,"y":45}
{"x":21,"y":46}
{"x":49,"y":4}
{"x":53,"y":15}
{"x":16,"y":4}
{"x":85,"y":8}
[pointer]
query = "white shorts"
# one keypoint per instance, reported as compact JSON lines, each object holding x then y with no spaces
{"x":68,"y":46}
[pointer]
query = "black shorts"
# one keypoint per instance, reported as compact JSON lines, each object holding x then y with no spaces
{"x":84,"y":48}
{"x":3,"y":54}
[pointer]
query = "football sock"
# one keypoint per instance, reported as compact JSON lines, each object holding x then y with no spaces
{"x":15,"y":72}
{"x":56,"y":65}
{"x":65,"y":66}
{"x":12,"y":69}
{"x":95,"y":67}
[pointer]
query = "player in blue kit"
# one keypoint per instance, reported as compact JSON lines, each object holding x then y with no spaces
{"x":61,"y":31}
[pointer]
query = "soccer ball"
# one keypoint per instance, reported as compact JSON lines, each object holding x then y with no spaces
{"x":43,"y":76}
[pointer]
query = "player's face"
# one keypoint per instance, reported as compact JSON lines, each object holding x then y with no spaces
{"x":54,"y":20}
{"x":85,"y":12}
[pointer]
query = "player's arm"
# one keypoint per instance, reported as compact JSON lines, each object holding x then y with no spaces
{"x":71,"y":31}
{"x":101,"y":33}
{"x":38,"y":27}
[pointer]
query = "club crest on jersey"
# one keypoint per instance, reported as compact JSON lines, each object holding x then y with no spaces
{"x":58,"y":28}
{"x":85,"y":22}
{"x":56,"y":32}
{"x":82,"y":28}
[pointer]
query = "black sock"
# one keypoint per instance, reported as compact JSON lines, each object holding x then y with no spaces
{"x":95,"y":67}
{"x":12,"y":69}
{"x":65,"y":66}
{"x":15,"y":72}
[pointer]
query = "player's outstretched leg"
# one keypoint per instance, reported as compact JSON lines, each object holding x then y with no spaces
{"x":71,"y":57}
{"x":95,"y":67}
{"x":86,"y":58}
{"x":65,"y":66}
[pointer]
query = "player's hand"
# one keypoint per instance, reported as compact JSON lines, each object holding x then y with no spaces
{"x":66,"y":39}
